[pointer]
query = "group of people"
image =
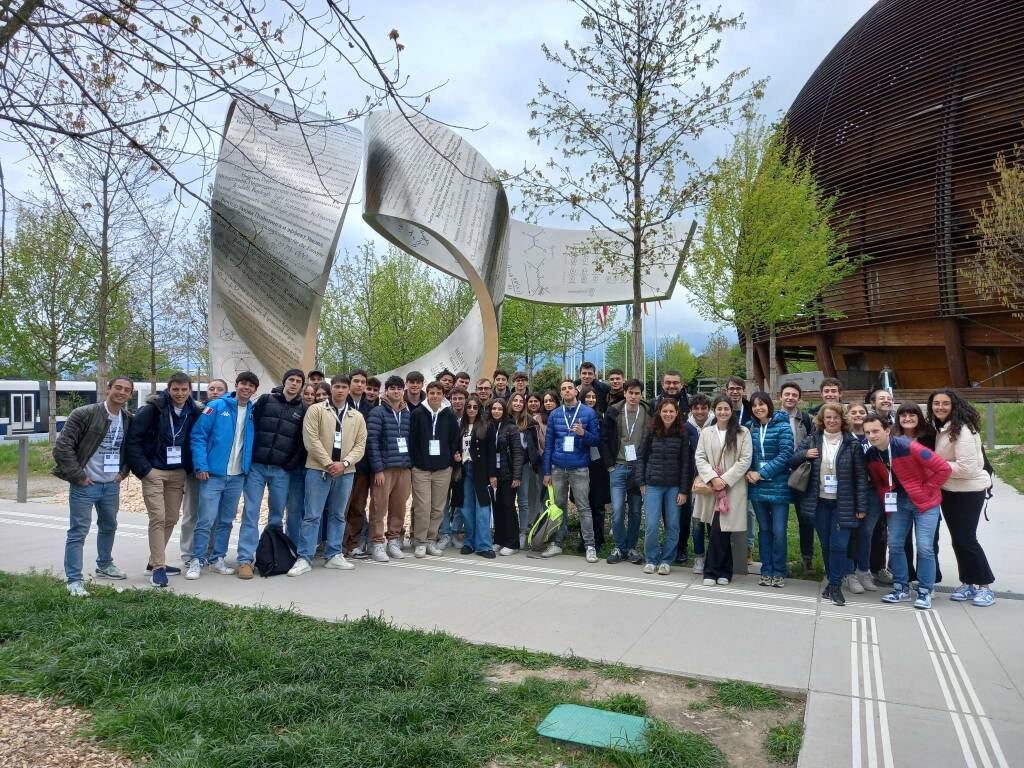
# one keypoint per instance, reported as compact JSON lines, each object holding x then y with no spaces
{"x":339,"y":461}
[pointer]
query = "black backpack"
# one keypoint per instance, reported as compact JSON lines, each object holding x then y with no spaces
{"x":275,"y":554}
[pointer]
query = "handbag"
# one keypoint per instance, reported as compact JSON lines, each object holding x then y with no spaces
{"x":699,"y":486}
{"x":800,"y":477}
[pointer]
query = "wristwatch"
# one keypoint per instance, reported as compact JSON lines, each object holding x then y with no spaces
{"x":346,"y":463}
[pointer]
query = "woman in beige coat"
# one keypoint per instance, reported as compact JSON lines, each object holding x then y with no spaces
{"x":724,"y":446}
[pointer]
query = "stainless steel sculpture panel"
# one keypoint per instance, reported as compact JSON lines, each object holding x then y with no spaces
{"x":279,"y":199}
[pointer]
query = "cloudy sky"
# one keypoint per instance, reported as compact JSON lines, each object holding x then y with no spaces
{"x":488,"y":56}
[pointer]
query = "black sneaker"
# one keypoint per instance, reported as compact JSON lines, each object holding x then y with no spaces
{"x":635,"y":557}
{"x":170,"y":570}
{"x":826,"y":593}
{"x":467,"y":549}
{"x":837,"y":595}
{"x":615,"y":556}
{"x":488,"y":553}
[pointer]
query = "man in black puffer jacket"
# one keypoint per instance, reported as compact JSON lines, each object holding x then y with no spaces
{"x":278,"y":461}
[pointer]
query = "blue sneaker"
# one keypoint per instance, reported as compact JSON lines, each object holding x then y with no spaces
{"x":898,"y":595}
{"x":984,"y":597}
{"x":158,"y":578}
{"x":963,"y":593}
{"x":924,"y":599}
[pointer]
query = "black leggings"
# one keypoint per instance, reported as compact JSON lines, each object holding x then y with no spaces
{"x":962,"y":510}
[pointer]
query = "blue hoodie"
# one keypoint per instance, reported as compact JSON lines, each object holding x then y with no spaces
{"x":214,"y":432}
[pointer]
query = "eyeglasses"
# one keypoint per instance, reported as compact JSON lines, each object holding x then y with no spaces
{"x":472,"y":407}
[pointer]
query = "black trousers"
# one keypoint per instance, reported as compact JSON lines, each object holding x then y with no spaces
{"x":718,"y":560}
{"x":962,"y":511}
{"x":685,"y":517}
{"x":807,"y":539}
{"x":880,"y":544}
{"x":506,"y":519}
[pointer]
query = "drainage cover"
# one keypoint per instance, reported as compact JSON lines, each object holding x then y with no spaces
{"x":595,"y":728}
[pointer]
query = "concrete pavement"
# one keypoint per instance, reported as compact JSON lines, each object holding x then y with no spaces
{"x":887,"y":685}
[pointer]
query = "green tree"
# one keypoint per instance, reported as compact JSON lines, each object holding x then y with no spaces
{"x":47,"y":320}
{"x":627,"y":136}
{"x":529,"y":331}
{"x":674,"y":353}
{"x":720,"y":359}
{"x":546,"y":377}
{"x":997,"y":269}
{"x":768,"y":248}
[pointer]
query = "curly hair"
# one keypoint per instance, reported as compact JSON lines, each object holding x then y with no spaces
{"x":844,"y":417}
{"x":962,"y":415}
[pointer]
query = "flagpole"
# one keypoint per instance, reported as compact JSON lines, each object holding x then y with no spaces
{"x":643,"y":338}
{"x":655,"y":347}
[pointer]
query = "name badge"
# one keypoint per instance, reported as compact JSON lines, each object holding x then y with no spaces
{"x":112,"y":462}
{"x":568,"y":444}
{"x":337,"y":440}
{"x":174,"y":454}
{"x":630,"y":452}
{"x":890,"y":501}
{"x":403,"y":447}
{"x":497,"y":460}
{"x":831,"y":484}
{"x":435,"y":447}
{"x":595,"y":453}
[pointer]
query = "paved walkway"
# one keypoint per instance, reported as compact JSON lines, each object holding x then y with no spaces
{"x":887,"y":685}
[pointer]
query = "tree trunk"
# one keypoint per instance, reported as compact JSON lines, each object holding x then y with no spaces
{"x":773,"y":364}
{"x":152,"y":329}
{"x":52,"y":431}
{"x":748,"y":348}
{"x":103,"y":300}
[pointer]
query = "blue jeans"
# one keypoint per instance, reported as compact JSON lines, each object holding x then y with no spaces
{"x":81,"y":500}
{"x":218,"y":503}
{"x":772,"y":522}
{"x":295,"y":509}
{"x":333,"y":492}
{"x":750,"y":525}
{"x":523,"y":499}
{"x":477,"y":518}
{"x":697,"y":531}
{"x":924,"y":523}
{"x":451,"y":521}
{"x":624,"y":505}
{"x":259,"y":477}
{"x":866,"y":529}
{"x":660,"y":504}
{"x":835,"y":541}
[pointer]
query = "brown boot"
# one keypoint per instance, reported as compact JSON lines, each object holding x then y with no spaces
{"x":245,"y":571}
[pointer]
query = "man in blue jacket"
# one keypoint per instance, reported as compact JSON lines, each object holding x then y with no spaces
{"x":572,"y":431}
{"x":221,"y":441}
{"x":387,"y":442}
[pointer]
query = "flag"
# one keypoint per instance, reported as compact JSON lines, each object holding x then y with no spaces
{"x":600,"y":319}
{"x":646,"y":311}
{"x":629,"y":311}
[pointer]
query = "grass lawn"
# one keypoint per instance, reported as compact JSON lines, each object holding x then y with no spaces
{"x":178,"y":681}
{"x":1009,"y":423}
{"x":39,"y":459}
{"x":1009,"y":465}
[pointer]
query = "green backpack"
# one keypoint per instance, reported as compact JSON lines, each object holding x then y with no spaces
{"x":546,"y":525}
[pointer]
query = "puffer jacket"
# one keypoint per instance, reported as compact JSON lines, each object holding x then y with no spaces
{"x":278,"y":430}
{"x":509,"y":452}
{"x":920,"y":471}
{"x":214,"y":433}
{"x":664,"y":461}
{"x":851,"y":471}
{"x":364,"y":407}
{"x":383,"y":427}
{"x":150,"y":434}
{"x":773,"y":445}
{"x":557,"y":431}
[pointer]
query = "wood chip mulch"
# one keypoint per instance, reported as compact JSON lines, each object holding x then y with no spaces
{"x":36,"y":733}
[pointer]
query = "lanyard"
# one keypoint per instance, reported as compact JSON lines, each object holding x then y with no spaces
{"x":398,"y":418}
{"x":170,"y":418}
{"x":830,"y":455}
{"x":337,"y":418}
{"x":760,"y":437}
{"x":888,"y":453}
{"x":570,"y":422}
{"x":117,"y":432}
{"x":630,"y":427}
{"x":433,"y":424}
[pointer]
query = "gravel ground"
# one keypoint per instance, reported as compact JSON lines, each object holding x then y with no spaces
{"x":35,"y":733}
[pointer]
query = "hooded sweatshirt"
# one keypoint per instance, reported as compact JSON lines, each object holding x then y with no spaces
{"x":428,"y":425}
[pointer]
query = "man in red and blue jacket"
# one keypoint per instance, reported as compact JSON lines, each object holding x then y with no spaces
{"x":908,"y":477}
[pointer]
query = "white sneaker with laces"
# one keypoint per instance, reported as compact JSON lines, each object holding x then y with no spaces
{"x":77,"y":589}
{"x":195,"y":570}
{"x":443,"y":543}
{"x":866,"y":580}
{"x":420,"y":551}
{"x":698,"y":565}
{"x":435,"y":550}
{"x":722,"y":581}
{"x":709,"y":582}
{"x":591,"y":554}
{"x":338,"y":562}
{"x":301,"y":566}
{"x":552,"y":550}
{"x":220,"y":566}
{"x":649,"y":568}
{"x":395,"y":550}
{"x":853,"y":584}
{"x":379,"y":554}
{"x":111,"y":571}
{"x":506,"y":551}
{"x":664,"y":569}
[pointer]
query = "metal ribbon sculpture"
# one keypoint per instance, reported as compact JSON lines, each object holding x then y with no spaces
{"x":278,"y":205}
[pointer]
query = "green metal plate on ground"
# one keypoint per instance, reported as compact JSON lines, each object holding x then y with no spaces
{"x":595,"y":728}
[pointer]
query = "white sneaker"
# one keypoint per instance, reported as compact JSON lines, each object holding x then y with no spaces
{"x":420,"y":551}
{"x":195,"y":570}
{"x":395,"y":550}
{"x":649,"y":568}
{"x":664,"y":569}
{"x":552,"y":550}
{"x":77,"y":589}
{"x":301,"y":566}
{"x":443,"y":543}
{"x":709,"y":582}
{"x":338,"y":562}
{"x":435,"y":550}
{"x":591,"y":554}
{"x":506,"y":551}
{"x":723,"y":582}
{"x":221,"y":567}
{"x":851,"y":583}
{"x":379,"y":554}
{"x":698,"y":565}
{"x":866,"y":580}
